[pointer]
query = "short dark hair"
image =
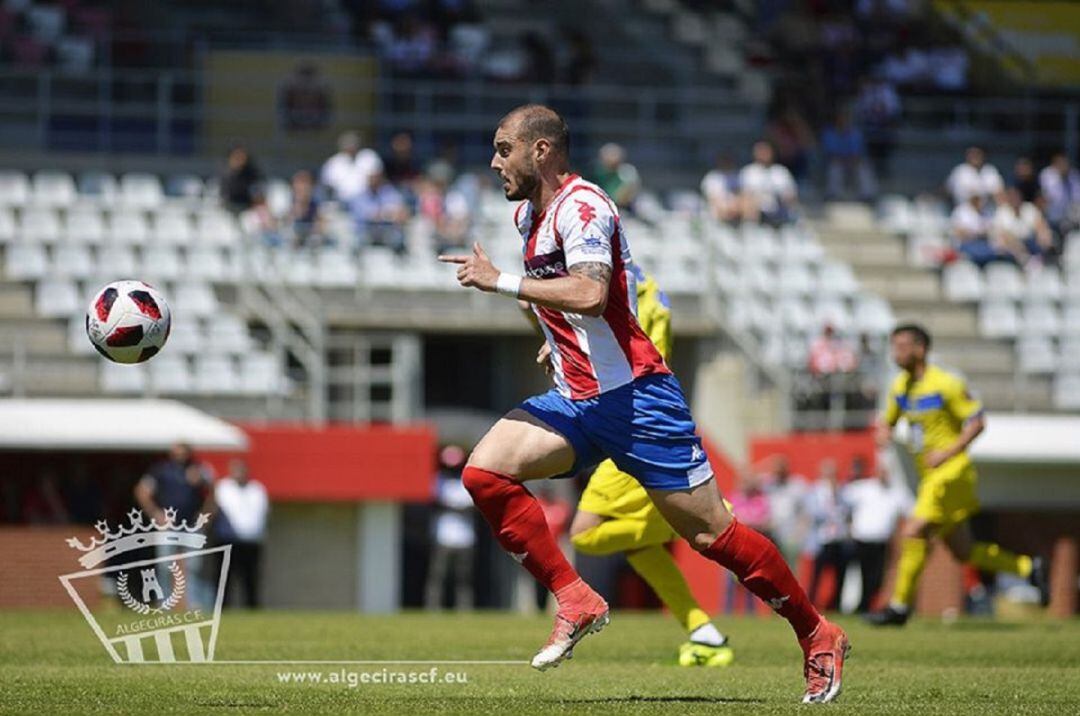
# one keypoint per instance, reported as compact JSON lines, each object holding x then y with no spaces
{"x":538,"y":121}
{"x":917,"y":332}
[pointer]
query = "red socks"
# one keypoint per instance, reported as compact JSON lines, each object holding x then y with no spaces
{"x":759,"y":566}
{"x":518,"y":523}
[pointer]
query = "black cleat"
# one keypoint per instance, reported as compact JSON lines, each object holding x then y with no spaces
{"x":888,"y":617}
{"x":1040,"y":579}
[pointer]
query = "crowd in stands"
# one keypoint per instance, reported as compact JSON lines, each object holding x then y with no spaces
{"x":829,"y":522}
{"x":1025,"y":221}
{"x":68,"y":35}
{"x":764,"y":191}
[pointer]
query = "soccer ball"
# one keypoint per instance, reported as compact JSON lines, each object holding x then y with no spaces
{"x":128,"y":321}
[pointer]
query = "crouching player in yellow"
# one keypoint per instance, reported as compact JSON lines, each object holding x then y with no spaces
{"x":616,"y":515}
{"x":944,"y":420}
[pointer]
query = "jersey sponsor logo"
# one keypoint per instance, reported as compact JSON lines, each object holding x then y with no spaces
{"x":546,"y":266}
{"x":593,"y":245}
{"x":921,"y":403}
{"x":586,"y":212}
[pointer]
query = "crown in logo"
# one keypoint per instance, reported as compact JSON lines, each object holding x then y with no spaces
{"x":139,"y":534}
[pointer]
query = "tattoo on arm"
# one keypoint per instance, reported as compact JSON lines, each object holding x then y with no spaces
{"x":593,"y":269}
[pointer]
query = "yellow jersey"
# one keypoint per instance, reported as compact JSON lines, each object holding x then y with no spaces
{"x":654,"y":313}
{"x":936,"y":406}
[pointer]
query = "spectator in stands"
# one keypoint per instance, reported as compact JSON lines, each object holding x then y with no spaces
{"x":380,"y":213}
{"x":974,"y":177}
{"x":1025,"y":179}
{"x":751,"y":503}
{"x":304,"y":223}
{"x":42,"y":503}
{"x":787,"y":496}
{"x":446,"y":207}
{"x":720,"y":186}
{"x":259,"y":222}
{"x":871,"y":370}
{"x":970,"y":228}
{"x":767,"y":190}
{"x":617,"y":177}
{"x":400,"y":165}
{"x":539,"y":68}
{"x":877,"y":507}
{"x":241,"y":521}
{"x":1060,"y":184}
{"x":240,"y":181}
{"x":792,"y":139}
{"x":346,"y":174}
{"x":830,"y":354}
{"x":580,"y":65}
{"x":304,"y":101}
{"x":1018,"y":227}
{"x":454,"y":534}
{"x":182,"y":484}
{"x":830,"y":518}
{"x":411,"y":48}
{"x":877,"y":109}
{"x":845,"y":159}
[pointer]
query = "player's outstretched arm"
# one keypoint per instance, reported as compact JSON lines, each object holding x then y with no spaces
{"x":584,"y":291}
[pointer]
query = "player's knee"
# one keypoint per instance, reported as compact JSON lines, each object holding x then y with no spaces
{"x":481,"y":483}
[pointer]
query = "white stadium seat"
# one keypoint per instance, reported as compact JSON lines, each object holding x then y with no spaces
{"x":195,"y":299}
{"x":98,"y":187}
{"x":228,"y":334}
{"x":39,"y":225}
{"x":837,"y":279}
{"x":171,"y":226}
{"x":926,"y":249}
{"x":962,"y":281}
{"x":54,"y":189}
{"x":14,"y":189}
{"x":1036,"y":355}
{"x":278,"y":196}
{"x":1004,"y":281}
{"x":84,"y":225}
{"x":119,"y":378}
{"x":185,"y":186}
{"x":1040,"y":317}
{"x":873,"y":315}
{"x":336,"y":268}
{"x":206,"y":263}
{"x":261,"y":374}
{"x":78,"y":341}
{"x":141,"y":191}
{"x":1045,"y":283}
{"x":161,"y":263}
{"x":215,"y":374}
{"x":796,"y":314}
{"x":55,"y":298}
{"x":72,"y":261}
{"x":7,"y":225}
{"x":186,"y":336}
{"x":127,"y":227}
{"x":832,"y":311}
{"x":170,"y":374}
{"x":795,"y":279}
{"x":1067,"y":391}
{"x":1071,"y":319}
{"x":26,"y":261}
{"x":116,"y":261}
{"x":216,"y":227}
{"x":998,"y":318}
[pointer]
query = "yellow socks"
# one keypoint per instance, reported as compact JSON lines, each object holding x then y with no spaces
{"x":992,"y":558}
{"x":657,"y":567}
{"x":912,"y":560}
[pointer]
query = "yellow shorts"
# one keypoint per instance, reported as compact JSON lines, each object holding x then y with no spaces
{"x":616,"y":495}
{"x":946,"y":494}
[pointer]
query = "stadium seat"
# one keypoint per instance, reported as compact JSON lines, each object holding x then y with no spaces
{"x":118,"y":378}
{"x":98,"y":187}
{"x":261,"y":374}
{"x":141,"y":191}
{"x":26,"y":261}
{"x":161,"y":263}
{"x":128,"y":227}
{"x":117,"y":262}
{"x":172,"y":226}
{"x":832,"y":311}
{"x":1070,"y":352}
{"x":335,"y":268}
{"x":7,"y":226}
{"x":195,"y":299}
{"x":1067,"y":391}
{"x":39,"y":225}
{"x":1036,"y":355}
{"x":55,"y":298}
{"x":1045,"y":283}
{"x":1070,"y":324}
{"x":380,"y":266}
{"x":897,"y":214}
{"x":795,"y":279}
{"x":185,"y":335}
{"x":188,"y":187}
{"x":215,"y":374}
{"x":837,"y":279}
{"x":216,"y":227}
{"x":299,"y":270}
{"x":926,"y":249}
{"x":796,"y":351}
{"x":54,"y":189}
{"x":760,"y":243}
{"x":72,"y":261}
{"x":796,"y":314}
{"x":797,"y":246}
{"x":873,"y":315}
{"x":14,"y":189}
{"x":278,"y":196}
{"x":1004,"y":281}
{"x":78,"y":341}
{"x":227,"y":333}
{"x":1039,"y":317}
{"x":962,"y":281}
{"x":170,"y":374}
{"x":760,"y":278}
{"x":206,"y":263}
{"x":84,"y":225}
{"x":998,"y":319}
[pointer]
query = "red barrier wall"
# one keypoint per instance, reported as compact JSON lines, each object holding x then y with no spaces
{"x":338,"y":462}
{"x":805,"y":451}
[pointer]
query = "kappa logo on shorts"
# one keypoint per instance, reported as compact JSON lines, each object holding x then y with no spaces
{"x":696,"y":453}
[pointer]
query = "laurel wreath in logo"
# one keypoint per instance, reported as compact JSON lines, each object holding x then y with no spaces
{"x":179,"y":585}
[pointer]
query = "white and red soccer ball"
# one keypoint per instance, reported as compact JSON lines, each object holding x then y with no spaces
{"x":128,"y":321}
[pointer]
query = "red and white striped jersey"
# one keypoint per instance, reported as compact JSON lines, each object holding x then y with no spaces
{"x":590,"y":354}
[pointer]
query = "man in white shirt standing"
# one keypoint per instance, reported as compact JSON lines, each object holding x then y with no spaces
{"x":346,"y":173}
{"x":241,"y":522}
{"x":876,"y":507}
{"x":974,"y":177}
{"x":767,"y":190}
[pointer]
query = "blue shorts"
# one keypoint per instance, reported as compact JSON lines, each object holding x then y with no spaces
{"x":644,"y":427}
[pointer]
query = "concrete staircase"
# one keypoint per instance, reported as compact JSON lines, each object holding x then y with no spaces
{"x":850,"y":234}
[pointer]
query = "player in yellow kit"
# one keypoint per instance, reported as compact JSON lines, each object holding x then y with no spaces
{"x":615,"y":514}
{"x":944,"y":419}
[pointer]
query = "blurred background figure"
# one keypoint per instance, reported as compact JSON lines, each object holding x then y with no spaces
{"x":1060,"y":186}
{"x":974,"y":177}
{"x":720,"y":187}
{"x":345,"y":175}
{"x":380,"y":213}
{"x":830,"y":535}
{"x":877,"y":506}
{"x":454,"y":535}
{"x":304,"y":223}
{"x":787,"y":506}
{"x":750,"y":503}
{"x":243,"y":509}
{"x":617,"y":177}
{"x":767,"y":189}
{"x":846,"y":162}
{"x":240,"y":180}
{"x":305,"y":101}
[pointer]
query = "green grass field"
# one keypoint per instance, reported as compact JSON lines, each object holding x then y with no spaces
{"x":51,"y":663}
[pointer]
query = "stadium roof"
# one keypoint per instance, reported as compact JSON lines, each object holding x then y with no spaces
{"x":1029,"y":439}
{"x":135,"y":425}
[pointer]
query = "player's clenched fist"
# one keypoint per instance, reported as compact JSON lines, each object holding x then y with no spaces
{"x":475,"y":270}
